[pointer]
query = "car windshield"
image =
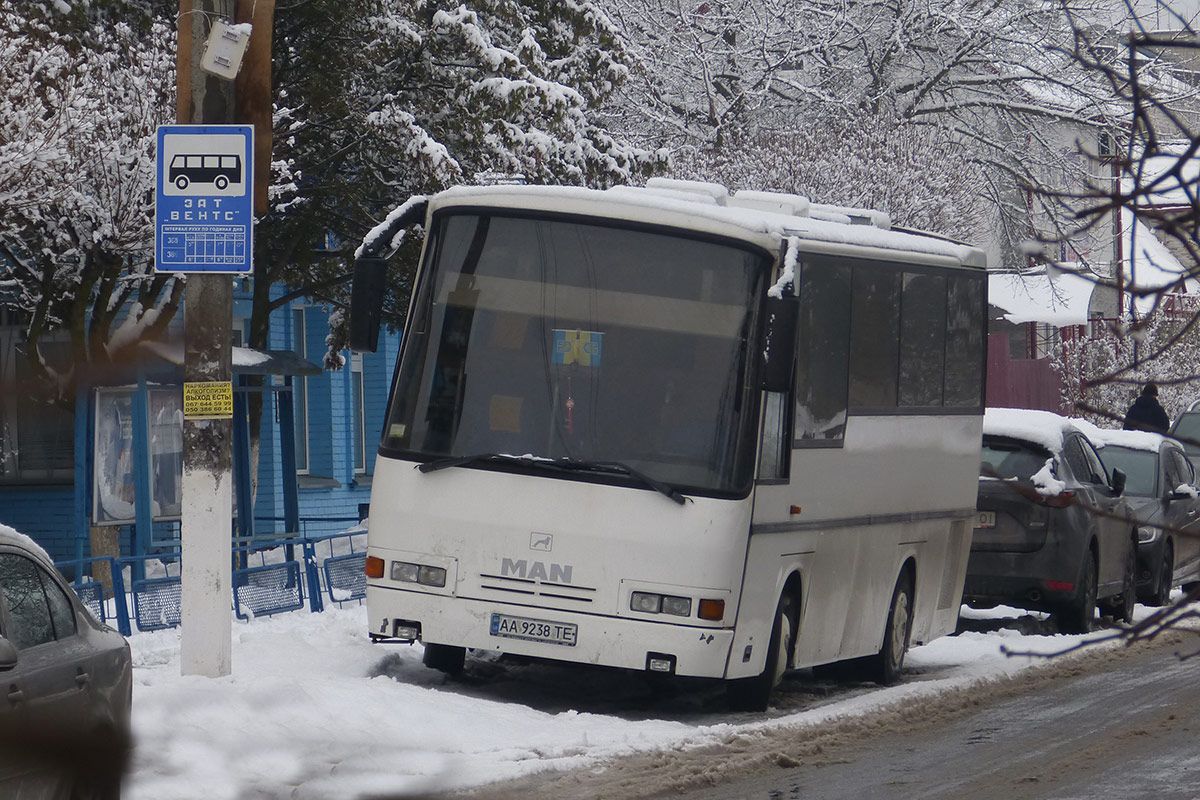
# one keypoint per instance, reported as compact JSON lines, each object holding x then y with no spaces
{"x":564,"y":340}
{"x":1008,"y":458}
{"x":1140,"y":468}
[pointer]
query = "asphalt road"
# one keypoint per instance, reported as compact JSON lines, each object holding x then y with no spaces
{"x":1124,"y":728}
{"x":1104,"y":723}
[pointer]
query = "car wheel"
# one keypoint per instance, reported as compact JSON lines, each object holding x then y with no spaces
{"x":754,"y":694}
{"x":445,"y":658}
{"x":1079,"y":616}
{"x":884,"y":667}
{"x":1123,"y":608}
{"x":1164,"y":579}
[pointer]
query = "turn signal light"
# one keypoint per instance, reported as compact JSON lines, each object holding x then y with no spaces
{"x":713,"y":610}
{"x":374,"y":567}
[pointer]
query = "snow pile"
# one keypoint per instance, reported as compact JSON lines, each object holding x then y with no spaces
{"x":313,"y":710}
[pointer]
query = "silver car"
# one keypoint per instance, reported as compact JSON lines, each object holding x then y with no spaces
{"x":66,"y":684}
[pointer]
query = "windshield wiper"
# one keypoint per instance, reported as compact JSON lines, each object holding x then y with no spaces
{"x":566,"y":464}
{"x":621,"y":468}
{"x":459,"y":461}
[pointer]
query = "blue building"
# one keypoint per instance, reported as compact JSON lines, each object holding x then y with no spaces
{"x":44,"y":453}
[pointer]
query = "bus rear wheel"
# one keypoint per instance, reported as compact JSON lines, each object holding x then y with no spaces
{"x":754,"y":694}
{"x":445,"y":658}
{"x":884,"y":667}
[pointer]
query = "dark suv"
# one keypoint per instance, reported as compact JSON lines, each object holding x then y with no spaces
{"x":1162,"y":494}
{"x":1186,"y":429}
{"x":1052,"y":532}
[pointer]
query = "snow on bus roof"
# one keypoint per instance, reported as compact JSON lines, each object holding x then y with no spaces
{"x":676,"y":203}
{"x":1040,"y":427}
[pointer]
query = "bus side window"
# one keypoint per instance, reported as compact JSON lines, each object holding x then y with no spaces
{"x":964,"y":342}
{"x":875,"y":337}
{"x":823,"y":353}
{"x":922,"y":340}
{"x":775,"y":460}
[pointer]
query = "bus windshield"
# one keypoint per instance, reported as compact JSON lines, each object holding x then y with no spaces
{"x":564,"y":340}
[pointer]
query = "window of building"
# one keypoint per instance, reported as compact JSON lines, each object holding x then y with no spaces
{"x":37,"y":437}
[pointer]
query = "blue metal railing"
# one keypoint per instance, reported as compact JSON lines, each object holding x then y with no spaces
{"x":268,"y":578}
{"x":91,"y":591}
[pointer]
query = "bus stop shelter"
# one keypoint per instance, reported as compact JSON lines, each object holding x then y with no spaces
{"x":129,"y":423}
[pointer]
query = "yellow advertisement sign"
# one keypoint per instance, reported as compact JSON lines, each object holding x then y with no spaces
{"x":210,"y":400}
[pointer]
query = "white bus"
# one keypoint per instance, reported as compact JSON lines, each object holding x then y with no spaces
{"x":619,"y":436}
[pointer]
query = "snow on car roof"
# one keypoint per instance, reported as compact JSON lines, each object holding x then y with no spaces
{"x":16,"y":537}
{"x":1133,"y":440}
{"x":1040,"y":427}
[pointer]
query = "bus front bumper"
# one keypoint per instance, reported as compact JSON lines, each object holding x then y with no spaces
{"x":582,"y":638}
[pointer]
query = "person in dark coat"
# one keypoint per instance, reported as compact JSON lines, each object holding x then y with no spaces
{"x":1146,"y":414}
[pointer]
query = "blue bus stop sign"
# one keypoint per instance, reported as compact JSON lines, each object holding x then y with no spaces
{"x":204,"y":210}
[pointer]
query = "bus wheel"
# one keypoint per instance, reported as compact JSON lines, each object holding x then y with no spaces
{"x":445,"y":658}
{"x":753,"y":694}
{"x":181,"y":182}
{"x":884,"y":667}
{"x":222,"y":182}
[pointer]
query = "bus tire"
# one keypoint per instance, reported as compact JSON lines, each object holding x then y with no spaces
{"x":181,"y":182}
{"x":222,"y":182}
{"x":884,"y":667}
{"x":445,"y":658}
{"x":754,"y":694}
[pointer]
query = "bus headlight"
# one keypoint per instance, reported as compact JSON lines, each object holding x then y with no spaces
{"x":650,"y":603}
{"x":418,"y":573}
{"x":646,"y":602}
{"x":679,"y":606}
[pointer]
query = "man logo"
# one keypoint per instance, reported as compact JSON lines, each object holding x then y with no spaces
{"x":535,"y":571}
{"x":541,"y":541}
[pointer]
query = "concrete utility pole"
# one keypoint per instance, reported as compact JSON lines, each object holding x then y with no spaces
{"x":205,"y":99}
{"x":206,"y":575}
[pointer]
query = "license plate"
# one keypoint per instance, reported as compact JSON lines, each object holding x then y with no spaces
{"x":987,"y":519}
{"x":533,"y":630}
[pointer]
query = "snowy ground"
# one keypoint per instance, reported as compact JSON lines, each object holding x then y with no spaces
{"x":314,"y":710}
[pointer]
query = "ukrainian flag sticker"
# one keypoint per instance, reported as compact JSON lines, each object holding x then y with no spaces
{"x":577,"y":347}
